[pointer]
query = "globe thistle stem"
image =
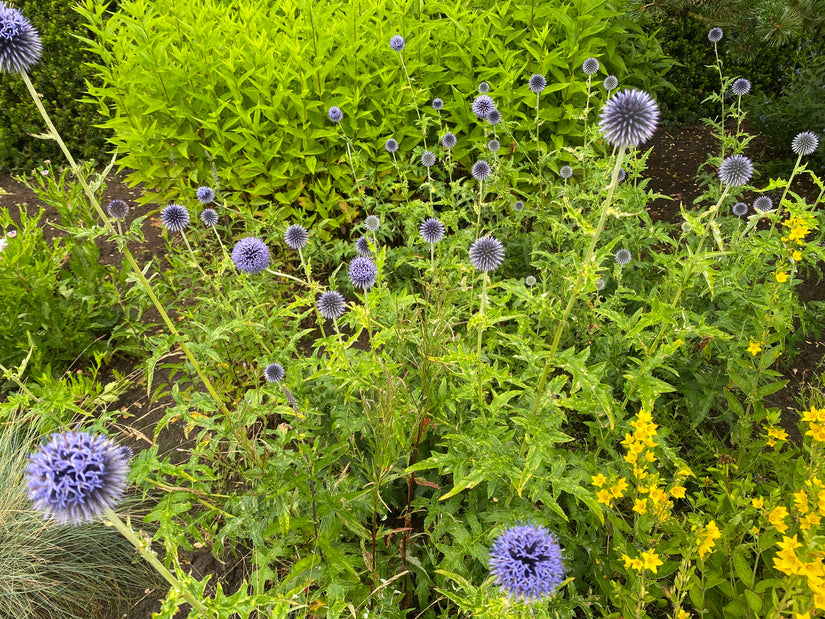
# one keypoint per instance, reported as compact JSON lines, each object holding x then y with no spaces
{"x":220,"y":242}
{"x":478,"y":209}
{"x":722,"y":95}
{"x":538,"y":123}
{"x":412,"y":94}
{"x":482,"y":304}
{"x":305,"y":266}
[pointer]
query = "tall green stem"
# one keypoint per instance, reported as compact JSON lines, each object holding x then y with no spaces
{"x":482,"y":305}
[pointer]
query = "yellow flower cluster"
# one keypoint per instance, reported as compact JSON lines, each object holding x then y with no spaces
{"x":648,"y":560}
{"x":798,"y":229}
{"x":706,"y":537}
{"x":788,"y":562}
{"x":815,"y":418}
{"x":639,"y":445}
{"x":775,"y":435}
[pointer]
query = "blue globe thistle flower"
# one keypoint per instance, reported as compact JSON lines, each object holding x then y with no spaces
{"x":250,"y":255}
{"x":331,"y":305}
{"x":493,"y":145}
{"x":526,"y":561}
{"x":486,"y":254}
{"x":610,"y":82}
{"x":565,"y":172}
{"x":117,"y":209}
{"x":715,"y":35}
{"x":20,"y":47}
{"x":740,"y":87}
{"x":537,"y":83}
{"x":397,"y":43}
{"x":736,"y":171}
{"x":427,"y":159}
{"x":296,"y":237}
{"x":805,"y":143}
{"x":494,"y":117}
{"x":174,"y":218}
{"x":362,"y":246}
{"x":209,"y":217}
{"x":740,"y":209}
{"x":391,"y":145}
{"x":335,"y":114}
{"x":437,"y":104}
{"x":623,"y":257}
{"x":481,"y":170}
{"x":362,"y":272}
{"x":274,"y":373}
{"x":372,"y":223}
{"x":484,"y":88}
{"x":622,"y":175}
{"x":205,"y":195}
{"x":629,"y":118}
{"x":529,"y":281}
{"x":77,"y":476}
{"x":601,"y":284}
{"x":483,"y":105}
{"x":518,"y":205}
{"x":590,"y":66}
{"x":432,"y":230}
{"x":448,"y":140}
{"x":762,"y":204}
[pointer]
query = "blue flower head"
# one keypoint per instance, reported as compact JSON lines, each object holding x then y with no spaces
{"x":296,"y":237}
{"x":20,"y":47}
{"x":362,"y":272}
{"x":437,"y":104}
{"x":174,"y":218}
{"x":397,"y":43}
{"x":805,"y":143}
{"x":205,"y":195}
{"x":209,"y":217}
{"x":362,"y":246}
{"x":372,"y":223}
{"x":493,"y":145}
{"x":590,"y":66}
{"x":335,"y":114}
{"x":449,"y":140}
{"x":526,"y":561}
{"x":77,"y":476}
{"x":715,"y":35}
{"x":483,"y":105}
{"x":623,"y":257}
{"x":610,"y":82}
{"x":565,"y":172}
{"x":518,"y":205}
{"x":481,"y":170}
{"x":432,"y":230}
{"x":118,"y":209}
{"x":391,"y":145}
{"x":274,"y":373}
{"x":537,"y":83}
{"x":736,"y":171}
{"x":331,"y":305}
{"x":484,"y":88}
{"x":494,"y":117}
{"x":741,"y":87}
{"x":250,"y":255}
{"x":740,"y":209}
{"x":763,"y":204}
{"x":486,"y":254}
{"x":629,"y":118}
{"x":427,"y":159}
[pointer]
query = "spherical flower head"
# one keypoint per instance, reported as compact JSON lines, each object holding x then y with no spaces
{"x":362,"y":273}
{"x":486,"y":254}
{"x":448,"y":140}
{"x":590,"y":66}
{"x":736,"y":171}
{"x":537,"y":83}
{"x":397,"y":43}
{"x":437,"y":104}
{"x":205,"y":195}
{"x":209,"y":217}
{"x":481,"y":170}
{"x":296,"y":237}
{"x":518,"y":205}
{"x":527,"y":563}
{"x":493,"y":145}
{"x":494,"y":117}
{"x":623,"y":257}
{"x":529,"y":281}
{"x":484,"y":88}
{"x":601,"y":284}
{"x":362,"y":246}
{"x":629,"y":118}
{"x":805,"y":143}
{"x":740,"y":87}
{"x":77,"y":476}
{"x":335,"y":114}
{"x":391,"y":145}
{"x":117,"y":209}
{"x":622,"y":175}
{"x":740,"y":209}
{"x":331,"y":305}
{"x":274,"y":373}
{"x":372,"y":223}
{"x":20,"y":47}
{"x":174,"y":218}
{"x":432,"y":230}
{"x":715,"y":35}
{"x":250,"y":255}
{"x":762,"y":204}
{"x":565,"y":172}
{"x":483,"y":105}
{"x":427,"y":159}
{"x":610,"y":82}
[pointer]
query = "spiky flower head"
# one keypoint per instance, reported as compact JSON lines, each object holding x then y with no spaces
{"x":448,"y":140}
{"x":335,"y":114}
{"x":362,"y":272}
{"x":483,"y":105}
{"x":805,"y":143}
{"x":481,"y":170}
{"x":486,"y":254}
{"x":565,"y":172}
{"x":526,"y":561}
{"x":537,"y":83}
{"x":77,"y":476}
{"x":623,"y":256}
{"x":209,"y":217}
{"x":117,"y":209}
{"x":20,"y":47}
{"x":601,"y":283}
{"x":740,"y":209}
{"x":372,"y":223}
{"x":762,"y":204}
{"x":629,"y":118}
{"x":274,"y":373}
{"x":740,"y":87}
{"x":518,"y":205}
{"x":494,"y":117}
{"x":530,"y":281}
{"x":250,"y":255}
{"x":590,"y":66}
{"x":296,"y":237}
{"x":493,"y":145}
{"x":736,"y":171}
{"x":397,"y":43}
{"x":432,"y":230}
{"x":611,"y":82}
{"x":484,"y":88}
{"x":205,"y":195}
{"x":427,"y":159}
{"x":362,"y":246}
{"x":174,"y":218}
{"x":331,"y":305}
{"x":391,"y":145}
{"x":715,"y":35}
{"x":622,"y":175}
{"x":437,"y":104}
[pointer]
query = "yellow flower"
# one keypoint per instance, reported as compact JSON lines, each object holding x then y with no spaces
{"x":797,"y":255}
{"x":777,"y":519}
{"x":599,"y":480}
{"x":809,"y":520}
{"x":632,"y":564}
{"x":651,"y":561}
{"x":684,"y":615}
{"x":604,"y":496}
{"x":758,"y":502}
{"x":754,"y":348}
{"x":781,"y":276}
{"x":640,"y":506}
{"x":618,"y":488}
{"x":817,"y":431}
{"x":786,"y":560}
{"x":706,"y":537}
{"x":802,"y":616}
{"x":678,"y":492}
{"x":800,"y":499}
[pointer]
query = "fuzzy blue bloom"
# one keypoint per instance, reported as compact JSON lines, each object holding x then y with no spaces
{"x":715,"y":35}
{"x":77,"y":476}
{"x":740,"y":209}
{"x":205,"y":195}
{"x":736,"y":170}
{"x":296,"y":237}
{"x":622,"y":175}
{"x":331,"y":305}
{"x":623,"y":257}
{"x":20,"y":47}
{"x":565,"y":172}
{"x":518,"y":205}
{"x":493,"y":145}
{"x":117,"y":209}
{"x":362,"y":246}
{"x":335,"y":114}
{"x":494,"y":117}
{"x":537,"y":83}
{"x":397,"y":43}
{"x":362,"y":273}
{"x":174,"y":218}
{"x":427,"y":159}
{"x":484,"y":88}
{"x":529,"y":281}
{"x":274,"y":373}
{"x":486,"y":254}
{"x":526,"y":561}
{"x":437,"y":104}
{"x":449,"y":140}
{"x":805,"y":143}
{"x":391,"y":145}
{"x":629,"y":118}
{"x":481,"y":170}
{"x":741,"y":87}
{"x":610,"y":82}
{"x":590,"y":66}
{"x":483,"y":105}
{"x":209,"y":217}
{"x":432,"y":230}
{"x":250,"y":255}
{"x":763,"y":204}
{"x":372,"y":223}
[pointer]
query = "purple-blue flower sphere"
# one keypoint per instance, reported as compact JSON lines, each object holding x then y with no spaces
{"x":481,"y":170}
{"x":715,"y":35}
{"x":391,"y":145}
{"x":397,"y":43}
{"x":610,"y":82}
{"x":483,"y":105}
{"x":623,"y":257}
{"x":274,"y":373}
{"x":494,"y":117}
{"x":590,"y":66}
{"x":437,"y":104}
{"x":763,"y":204}
{"x":432,"y":230}
{"x":296,"y":237}
{"x":362,"y":273}
{"x":20,"y":47}
{"x":629,"y":118}
{"x":805,"y":143}
{"x":427,"y":159}
{"x":449,"y":140}
{"x":526,"y":561}
{"x":174,"y":218}
{"x":740,"y":209}
{"x":118,"y":209}
{"x":362,"y":246}
{"x":209,"y":217}
{"x":493,"y":145}
{"x":736,"y":171}
{"x":372,"y":223}
{"x":486,"y":254}
{"x":205,"y":195}
{"x":741,"y":87}
{"x":484,"y":88}
{"x":250,"y":255}
{"x":331,"y":305}
{"x":77,"y":476}
{"x":537,"y":83}
{"x":335,"y":114}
